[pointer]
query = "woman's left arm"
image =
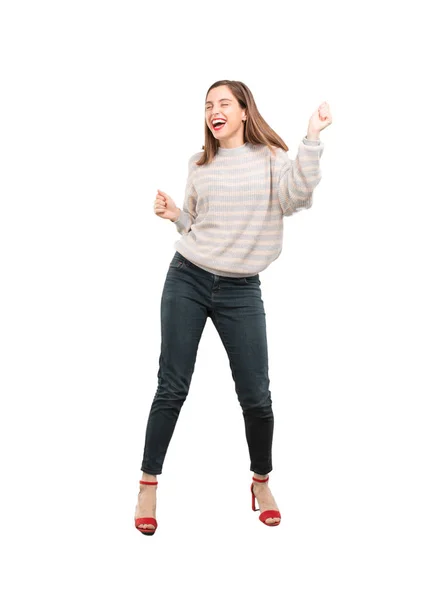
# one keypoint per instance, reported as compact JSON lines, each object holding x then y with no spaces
{"x":298,"y":179}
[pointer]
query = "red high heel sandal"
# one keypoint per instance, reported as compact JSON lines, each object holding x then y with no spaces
{"x":267,"y":514}
{"x":147,"y":520}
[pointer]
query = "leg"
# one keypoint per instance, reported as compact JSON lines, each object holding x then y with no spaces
{"x":240,"y":320}
{"x":183,"y":317}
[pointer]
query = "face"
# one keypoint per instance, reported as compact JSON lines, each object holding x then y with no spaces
{"x":221,"y":104}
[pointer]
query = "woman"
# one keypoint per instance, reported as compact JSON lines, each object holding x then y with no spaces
{"x":238,"y":191}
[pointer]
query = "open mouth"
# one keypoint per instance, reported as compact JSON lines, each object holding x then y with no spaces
{"x":217,"y":125}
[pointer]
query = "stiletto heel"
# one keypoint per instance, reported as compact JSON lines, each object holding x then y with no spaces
{"x":267,"y":514}
{"x":146,"y":520}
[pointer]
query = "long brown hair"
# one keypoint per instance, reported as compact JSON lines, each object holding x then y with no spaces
{"x":256,"y":130}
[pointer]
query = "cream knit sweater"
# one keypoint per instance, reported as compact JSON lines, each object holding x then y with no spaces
{"x":232,"y":218}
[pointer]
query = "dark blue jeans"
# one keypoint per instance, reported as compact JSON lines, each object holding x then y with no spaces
{"x":235,"y":305}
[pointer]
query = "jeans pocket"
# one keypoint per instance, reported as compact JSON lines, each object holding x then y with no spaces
{"x":176,"y":263}
{"x":253,"y":279}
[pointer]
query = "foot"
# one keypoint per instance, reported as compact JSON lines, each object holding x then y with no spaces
{"x":265,"y":499}
{"x":146,"y":505}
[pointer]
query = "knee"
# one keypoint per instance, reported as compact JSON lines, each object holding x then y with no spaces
{"x":170,"y":405}
{"x":173,"y":388}
{"x":169,"y":397}
{"x":257,"y":405}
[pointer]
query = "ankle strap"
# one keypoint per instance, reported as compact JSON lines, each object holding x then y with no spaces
{"x":149,"y":482}
{"x":261,"y":480}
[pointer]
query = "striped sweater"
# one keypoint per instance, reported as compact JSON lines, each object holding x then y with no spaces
{"x":231,"y":223}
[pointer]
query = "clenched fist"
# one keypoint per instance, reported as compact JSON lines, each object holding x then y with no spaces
{"x":165,"y":207}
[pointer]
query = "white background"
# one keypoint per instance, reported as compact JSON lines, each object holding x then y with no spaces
{"x":101,"y":104}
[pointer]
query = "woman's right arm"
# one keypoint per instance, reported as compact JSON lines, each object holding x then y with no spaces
{"x":188,"y":214}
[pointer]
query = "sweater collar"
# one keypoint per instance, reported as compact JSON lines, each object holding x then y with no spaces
{"x":231,"y":151}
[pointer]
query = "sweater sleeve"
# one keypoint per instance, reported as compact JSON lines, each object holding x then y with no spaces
{"x":298,"y":178}
{"x":188,"y":213}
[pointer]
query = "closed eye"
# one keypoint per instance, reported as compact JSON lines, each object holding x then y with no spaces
{"x":208,"y":107}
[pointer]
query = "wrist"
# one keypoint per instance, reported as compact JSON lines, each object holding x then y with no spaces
{"x":312,"y":135}
{"x":177,"y":216}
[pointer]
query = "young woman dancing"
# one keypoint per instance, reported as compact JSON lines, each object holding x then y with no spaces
{"x":239,"y":188}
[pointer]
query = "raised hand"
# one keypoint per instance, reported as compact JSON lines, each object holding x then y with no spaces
{"x":320,"y":118}
{"x":165,"y":207}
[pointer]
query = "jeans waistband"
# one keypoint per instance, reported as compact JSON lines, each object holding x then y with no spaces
{"x":207,"y":274}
